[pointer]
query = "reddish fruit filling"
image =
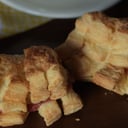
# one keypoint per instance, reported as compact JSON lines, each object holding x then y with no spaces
{"x":34,"y":107}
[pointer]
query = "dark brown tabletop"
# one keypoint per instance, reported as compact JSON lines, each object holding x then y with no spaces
{"x":102,"y":109}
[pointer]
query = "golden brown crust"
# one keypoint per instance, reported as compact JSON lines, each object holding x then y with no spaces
{"x":14,"y":87}
{"x":50,"y":111}
{"x":71,"y":45}
{"x":38,"y":86}
{"x":11,"y":106}
{"x":108,"y":77}
{"x":12,"y":118}
{"x":71,"y":102}
{"x":58,"y":81}
{"x":37,"y":61}
{"x":13,"y":90}
{"x":96,"y":42}
{"x":39,"y":58}
{"x":115,"y":24}
{"x":38,"y":78}
{"x":43,"y":65}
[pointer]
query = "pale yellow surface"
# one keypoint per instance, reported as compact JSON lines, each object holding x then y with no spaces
{"x":13,"y":21}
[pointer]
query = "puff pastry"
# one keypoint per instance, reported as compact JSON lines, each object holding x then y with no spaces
{"x":33,"y":82}
{"x":44,"y":73}
{"x":97,"y":50}
{"x":12,"y":118}
{"x":50,"y":111}
{"x":71,"y":102}
{"x":13,"y":90}
{"x":48,"y":81}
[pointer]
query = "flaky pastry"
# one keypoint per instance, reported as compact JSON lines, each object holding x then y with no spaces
{"x":50,"y":111}
{"x":13,"y":90}
{"x":48,"y":82}
{"x":31,"y":82}
{"x":96,"y":50}
{"x":71,"y":102}
{"x":46,"y":76}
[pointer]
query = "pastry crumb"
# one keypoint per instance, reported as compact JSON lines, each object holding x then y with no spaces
{"x":108,"y":93}
{"x":77,"y":119}
{"x":105,"y":93}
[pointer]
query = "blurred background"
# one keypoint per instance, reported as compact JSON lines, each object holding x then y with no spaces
{"x":15,"y":19}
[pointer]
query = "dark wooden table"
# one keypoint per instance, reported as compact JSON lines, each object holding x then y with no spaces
{"x":100,"y":110}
